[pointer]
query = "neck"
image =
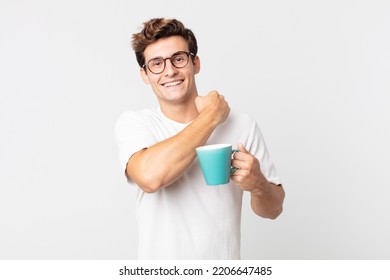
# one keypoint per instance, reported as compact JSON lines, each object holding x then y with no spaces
{"x":180,"y":112}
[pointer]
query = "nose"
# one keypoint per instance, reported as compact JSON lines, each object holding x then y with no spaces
{"x":169,"y":68}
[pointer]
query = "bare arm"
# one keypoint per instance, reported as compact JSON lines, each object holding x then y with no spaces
{"x":161,"y":164}
{"x":266,"y":198}
{"x":267,"y":202}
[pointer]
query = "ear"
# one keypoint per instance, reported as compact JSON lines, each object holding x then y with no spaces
{"x":197,"y":64}
{"x":144,"y":76}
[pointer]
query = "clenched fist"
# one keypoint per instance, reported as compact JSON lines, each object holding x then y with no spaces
{"x":214,"y":106}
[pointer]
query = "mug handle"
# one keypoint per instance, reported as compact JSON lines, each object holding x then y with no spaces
{"x":233,"y":169}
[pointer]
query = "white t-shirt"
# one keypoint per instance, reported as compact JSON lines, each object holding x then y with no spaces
{"x":188,"y":219}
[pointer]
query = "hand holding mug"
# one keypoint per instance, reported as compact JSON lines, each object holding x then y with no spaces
{"x":248,"y":174}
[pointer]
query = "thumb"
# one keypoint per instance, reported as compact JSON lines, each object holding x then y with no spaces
{"x":242,"y":149}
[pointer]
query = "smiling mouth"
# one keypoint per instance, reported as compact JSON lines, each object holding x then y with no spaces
{"x":174,"y":83}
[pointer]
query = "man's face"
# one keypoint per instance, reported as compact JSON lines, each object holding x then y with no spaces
{"x":173,"y":85}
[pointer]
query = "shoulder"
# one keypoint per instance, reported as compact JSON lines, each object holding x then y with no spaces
{"x":133,"y":120}
{"x":137,"y":116}
{"x":241,"y":119}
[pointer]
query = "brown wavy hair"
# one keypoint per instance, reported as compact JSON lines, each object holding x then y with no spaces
{"x":158,"y":28}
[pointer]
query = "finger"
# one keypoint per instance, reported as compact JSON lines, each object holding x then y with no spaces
{"x":242,"y":149}
{"x":242,"y":156}
{"x":236,"y":173}
{"x":239,"y":174}
{"x":239,"y":164}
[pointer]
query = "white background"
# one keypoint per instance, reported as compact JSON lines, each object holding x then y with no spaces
{"x":315,"y":75}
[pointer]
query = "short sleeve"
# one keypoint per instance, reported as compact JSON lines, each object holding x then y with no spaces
{"x":257,"y":147}
{"x":132,"y":135}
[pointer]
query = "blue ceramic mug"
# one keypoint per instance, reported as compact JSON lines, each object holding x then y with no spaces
{"x":215,"y":162}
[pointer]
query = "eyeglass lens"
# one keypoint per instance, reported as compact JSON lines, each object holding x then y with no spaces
{"x":179,"y":60}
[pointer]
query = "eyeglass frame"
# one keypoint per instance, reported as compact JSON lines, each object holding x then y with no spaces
{"x":146,"y":65}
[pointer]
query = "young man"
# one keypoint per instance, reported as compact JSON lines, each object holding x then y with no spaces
{"x":179,"y":217}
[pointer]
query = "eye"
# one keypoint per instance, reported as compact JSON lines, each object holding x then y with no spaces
{"x":156,"y":63}
{"x":178,"y":58}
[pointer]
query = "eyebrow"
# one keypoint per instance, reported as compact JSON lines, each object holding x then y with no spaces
{"x":160,"y":57}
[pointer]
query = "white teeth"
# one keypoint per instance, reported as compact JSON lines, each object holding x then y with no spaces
{"x":172,"y":83}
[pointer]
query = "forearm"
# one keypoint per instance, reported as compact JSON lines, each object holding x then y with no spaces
{"x":163,"y":163}
{"x":267,"y":200}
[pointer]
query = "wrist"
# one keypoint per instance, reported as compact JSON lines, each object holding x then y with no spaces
{"x":208,"y":119}
{"x":260,"y":187}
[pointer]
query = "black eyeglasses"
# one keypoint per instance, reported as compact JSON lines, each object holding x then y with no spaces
{"x":179,"y":60}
